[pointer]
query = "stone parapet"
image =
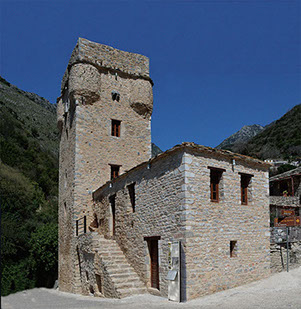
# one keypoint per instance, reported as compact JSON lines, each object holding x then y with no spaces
{"x":291,"y":201}
{"x":103,"y":56}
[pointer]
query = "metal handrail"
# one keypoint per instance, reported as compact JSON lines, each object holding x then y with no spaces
{"x":85,"y":224}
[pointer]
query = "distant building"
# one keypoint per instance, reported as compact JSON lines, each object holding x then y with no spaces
{"x":285,"y":194}
{"x":276,"y":162}
{"x":285,"y":211}
{"x":121,"y":211}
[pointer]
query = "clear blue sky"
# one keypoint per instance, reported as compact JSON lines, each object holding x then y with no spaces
{"x":217,"y":65}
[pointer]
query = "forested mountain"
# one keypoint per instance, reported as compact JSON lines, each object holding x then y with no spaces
{"x":28,"y":189}
{"x":280,"y":139}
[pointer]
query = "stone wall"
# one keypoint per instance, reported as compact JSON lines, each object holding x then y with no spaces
{"x":211,"y":226}
{"x":86,"y":254}
{"x":85,"y":112}
{"x":291,"y":201}
{"x":159,"y":204}
{"x":173,"y":202}
{"x":90,"y":266}
{"x":67,"y":253}
{"x":279,"y":256}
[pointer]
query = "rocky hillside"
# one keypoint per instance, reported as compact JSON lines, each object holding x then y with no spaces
{"x":240,"y":137}
{"x":280,"y":139}
{"x":35,"y":114}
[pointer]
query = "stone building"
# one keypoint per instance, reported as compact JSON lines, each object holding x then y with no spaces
{"x":285,"y":194}
{"x":120,"y":209}
{"x":285,"y":211}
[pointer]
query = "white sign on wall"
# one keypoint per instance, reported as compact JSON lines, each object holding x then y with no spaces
{"x":174,"y":274}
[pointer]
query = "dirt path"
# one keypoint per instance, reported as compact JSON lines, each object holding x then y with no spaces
{"x":279,"y":291}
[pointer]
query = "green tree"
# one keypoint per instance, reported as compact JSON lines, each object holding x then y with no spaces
{"x":43,"y":253}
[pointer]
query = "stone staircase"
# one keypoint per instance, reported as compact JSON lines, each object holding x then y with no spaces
{"x":121,"y":274}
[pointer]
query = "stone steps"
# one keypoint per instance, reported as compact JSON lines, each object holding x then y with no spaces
{"x":123,"y":276}
{"x":132,"y":291}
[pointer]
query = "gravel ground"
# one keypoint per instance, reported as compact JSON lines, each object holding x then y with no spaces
{"x":279,"y":291}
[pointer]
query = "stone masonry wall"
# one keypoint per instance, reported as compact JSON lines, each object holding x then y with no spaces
{"x":204,"y":228}
{"x":96,"y":149}
{"x":213,"y":225}
{"x":91,"y":265}
{"x":159,"y":204}
{"x":66,"y":199}
{"x":290,"y":201}
{"x":86,"y":109}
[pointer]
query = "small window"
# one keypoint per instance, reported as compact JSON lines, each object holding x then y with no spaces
{"x":65,"y":181}
{"x":114,"y":171}
{"x":65,"y":208}
{"x":244,"y":186}
{"x":116,"y":128}
{"x":233,"y":248}
{"x":115,"y":94}
{"x":131,"y":189}
{"x":215,"y":177}
{"x":112,"y":200}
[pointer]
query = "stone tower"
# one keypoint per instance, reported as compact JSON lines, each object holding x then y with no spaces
{"x":104,"y":116}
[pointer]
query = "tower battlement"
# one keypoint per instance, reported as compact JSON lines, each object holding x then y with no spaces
{"x":107,"y":57}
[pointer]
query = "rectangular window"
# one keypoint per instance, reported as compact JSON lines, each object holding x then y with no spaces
{"x":116,"y":127}
{"x":244,"y":186}
{"x":114,"y":171}
{"x":215,"y":177}
{"x":233,"y":248}
{"x":131,"y":189}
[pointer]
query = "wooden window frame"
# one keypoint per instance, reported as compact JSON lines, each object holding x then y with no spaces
{"x":215,"y":178}
{"x":115,"y":169}
{"x":245,"y":180}
{"x":116,"y":128}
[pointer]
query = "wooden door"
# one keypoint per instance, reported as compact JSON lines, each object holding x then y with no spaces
{"x":154,"y":260}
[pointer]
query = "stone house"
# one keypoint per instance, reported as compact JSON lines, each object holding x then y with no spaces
{"x":285,"y":194}
{"x":120,"y":209}
{"x":285,"y":210}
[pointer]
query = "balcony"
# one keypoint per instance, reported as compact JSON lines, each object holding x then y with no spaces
{"x":291,"y":201}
